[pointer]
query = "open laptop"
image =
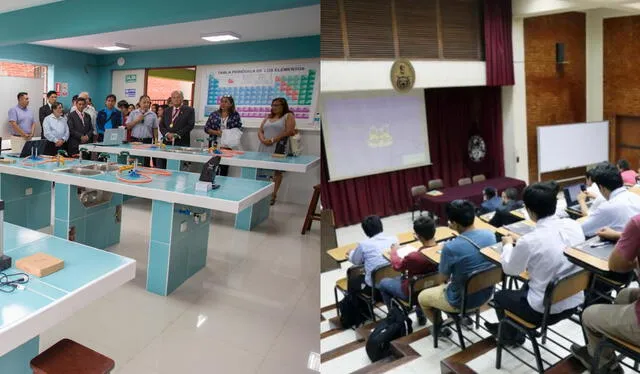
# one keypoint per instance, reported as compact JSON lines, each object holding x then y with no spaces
{"x":571,"y":196}
{"x":113,"y":137}
{"x":39,"y":146}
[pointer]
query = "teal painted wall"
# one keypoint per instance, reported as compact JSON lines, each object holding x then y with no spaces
{"x":81,"y":17}
{"x":68,"y":66}
{"x":268,"y":50}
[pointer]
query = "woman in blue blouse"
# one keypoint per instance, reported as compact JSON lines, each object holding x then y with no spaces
{"x":225,"y":117}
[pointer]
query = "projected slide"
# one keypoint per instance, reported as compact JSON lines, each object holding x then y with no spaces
{"x":374,"y":132}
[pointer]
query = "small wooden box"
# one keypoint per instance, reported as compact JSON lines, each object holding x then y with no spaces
{"x":39,"y":264}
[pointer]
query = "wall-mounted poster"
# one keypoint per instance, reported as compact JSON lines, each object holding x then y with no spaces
{"x":253,"y":87}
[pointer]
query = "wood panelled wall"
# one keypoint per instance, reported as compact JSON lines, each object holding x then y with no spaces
{"x":554,"y":95}
{"x":388,"y":29}
{"x":622,"y":86}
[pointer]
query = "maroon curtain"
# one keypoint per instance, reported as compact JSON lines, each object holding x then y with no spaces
{"x":453,"y":115}
{"x":498,"y":47}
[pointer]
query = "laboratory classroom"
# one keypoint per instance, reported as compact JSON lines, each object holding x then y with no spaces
{"x":158,"y":164}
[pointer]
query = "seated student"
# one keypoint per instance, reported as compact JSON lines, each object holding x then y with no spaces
{"x":503,"y":214}
{"x":628,"y":175}
{"x":592,"y":192}
{"x":620,"y":204}
{"x":459,"y":258}
{"x":370,"y":252}
{"x":491,"y":200}
{"x":622,"y":318}
{"x":541,"y":253}
{"x":415,"y":263}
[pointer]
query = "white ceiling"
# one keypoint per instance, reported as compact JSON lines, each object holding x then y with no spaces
{"x":287,"y":23}
{"x":11,"y":5}
{"x":531,"y":8}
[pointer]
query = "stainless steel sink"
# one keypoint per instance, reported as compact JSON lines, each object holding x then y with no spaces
{"x":81,"y":171}
{"x":102,"y":167}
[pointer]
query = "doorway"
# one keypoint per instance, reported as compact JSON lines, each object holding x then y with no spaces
{"x":159,"y":83}
{"x":627,"y":140}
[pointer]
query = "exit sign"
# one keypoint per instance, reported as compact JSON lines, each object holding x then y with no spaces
{"x":130,"y":78}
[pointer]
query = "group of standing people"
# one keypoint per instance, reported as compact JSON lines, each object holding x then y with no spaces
{"x":83,"y":124}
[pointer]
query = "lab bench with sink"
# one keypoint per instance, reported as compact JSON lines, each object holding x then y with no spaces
{"x":88,"y":209}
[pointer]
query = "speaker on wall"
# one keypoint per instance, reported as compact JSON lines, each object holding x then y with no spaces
{"x":560,"y":53}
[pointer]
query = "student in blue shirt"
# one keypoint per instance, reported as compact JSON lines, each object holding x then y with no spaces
{"x":109,"y":117}
{"x":491,"y":200}
{"x":370,"y":252}
{"x":459,"y":258}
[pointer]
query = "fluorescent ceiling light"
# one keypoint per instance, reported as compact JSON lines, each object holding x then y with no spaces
{"x":221,"y":37}
{"x":116,"y":47}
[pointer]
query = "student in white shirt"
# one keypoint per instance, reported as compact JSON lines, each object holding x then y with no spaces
{"x":620,"y":205}
{"x":541,"y":253}
{"x":593,"y":193}
{"x":370,"y":252}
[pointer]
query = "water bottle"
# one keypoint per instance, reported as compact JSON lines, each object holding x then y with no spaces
{"x":316,"y":121}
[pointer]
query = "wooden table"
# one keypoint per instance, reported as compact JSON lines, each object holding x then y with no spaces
{"x":480,"y":224}
{"x":520,"y":213}
{"x":586,"y":260}
{"x":504,"y":231}
{"x":494,"y":256}
{"x":339,"y":254}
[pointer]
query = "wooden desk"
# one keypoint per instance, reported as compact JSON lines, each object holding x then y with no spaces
{"x":504,"y":231}
{"x":494,"y":256}
{"x":487,"y":217}
{"x":416,"y":245}
{"x":442,"y":233}
{"x":635,"y":190}
{"x":339,"y":254}
{"x":586,"y":260}
{"x":433,"y":253}
{"x":480,"y":224}
{"x":518,"y":213}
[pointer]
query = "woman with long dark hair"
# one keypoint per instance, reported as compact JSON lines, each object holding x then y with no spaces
{"x":225,"y":118}
{"x":274,"y":134}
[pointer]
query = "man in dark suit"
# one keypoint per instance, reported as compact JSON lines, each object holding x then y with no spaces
{"x":45,"y":110}
{"x":176,"y":124}
{"x":509,"y":202}
{"x":178,"y":120}
{"x":80,"y":127}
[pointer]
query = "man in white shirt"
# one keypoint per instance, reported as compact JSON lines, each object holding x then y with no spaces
{"x":370,"y":252}
{"x":541,"y":253}
{"x":593,"y":193}
{"x":620,"y":205}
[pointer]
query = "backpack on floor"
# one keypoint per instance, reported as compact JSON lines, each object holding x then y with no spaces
{"x":395,"y":326}
{"x":353,"y":311}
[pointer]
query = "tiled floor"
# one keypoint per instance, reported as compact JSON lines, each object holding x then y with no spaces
{"x":253,"y":309}
{"x":429,"y":360}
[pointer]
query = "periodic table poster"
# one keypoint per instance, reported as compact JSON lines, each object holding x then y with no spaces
{"x":254,"y":86}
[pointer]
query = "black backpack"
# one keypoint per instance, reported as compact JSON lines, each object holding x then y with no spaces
{"x":353,"y":311}
{"x":395,"y":326}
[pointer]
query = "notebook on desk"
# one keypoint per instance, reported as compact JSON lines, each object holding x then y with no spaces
{"x":597,"y":247}
{"x":497,"y":247}
{"x":404,"y":250}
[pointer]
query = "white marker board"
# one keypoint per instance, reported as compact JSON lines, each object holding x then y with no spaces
{"x":573,"y":145}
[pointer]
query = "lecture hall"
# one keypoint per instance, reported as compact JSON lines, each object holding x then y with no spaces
{"x":479,"y":186}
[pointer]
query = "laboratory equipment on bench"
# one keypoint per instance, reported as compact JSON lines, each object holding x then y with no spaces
{"x":207,"y":180}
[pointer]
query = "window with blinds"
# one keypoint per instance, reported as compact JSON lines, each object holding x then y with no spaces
{"x":388,"y":29}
